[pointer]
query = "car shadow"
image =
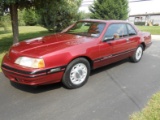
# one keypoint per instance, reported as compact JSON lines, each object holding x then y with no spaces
{"x":36,"y":89}
{"x":44,"y":88}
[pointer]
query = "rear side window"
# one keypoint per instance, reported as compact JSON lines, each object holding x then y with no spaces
{"x":116,"y":31}
{"x":131,"y":30}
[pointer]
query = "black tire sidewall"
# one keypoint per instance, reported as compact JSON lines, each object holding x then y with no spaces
{"x":133,"y":58}
{"x":66,"y":77}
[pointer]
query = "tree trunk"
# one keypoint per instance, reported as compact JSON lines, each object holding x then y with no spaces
{"x":14,"y":20}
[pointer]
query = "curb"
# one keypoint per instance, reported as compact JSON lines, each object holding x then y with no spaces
{"x":155,"y":37}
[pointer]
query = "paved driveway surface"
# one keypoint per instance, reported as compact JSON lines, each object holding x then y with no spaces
{"x":112,"y":93}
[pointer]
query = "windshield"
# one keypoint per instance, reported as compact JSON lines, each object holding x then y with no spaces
{"x":90,"y":29}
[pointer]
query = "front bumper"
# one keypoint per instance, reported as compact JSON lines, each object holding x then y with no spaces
{"x":40,"y":77}
{"x":148,"y":45}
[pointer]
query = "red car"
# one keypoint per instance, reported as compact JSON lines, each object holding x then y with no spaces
{"x":69,"y":56}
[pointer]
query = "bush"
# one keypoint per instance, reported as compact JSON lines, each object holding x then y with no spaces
{"x":5,"y":22}
{"x":21,"y":21}
{"x":57,"y":15}
{"x":30,"y":17}
{"x":156,"y":24}
{"x":109,"y":9}
{"x":139,"y":23}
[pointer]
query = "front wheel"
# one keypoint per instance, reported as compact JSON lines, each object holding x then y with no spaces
{"x":77,"y":73}
{"x":136,"y":57}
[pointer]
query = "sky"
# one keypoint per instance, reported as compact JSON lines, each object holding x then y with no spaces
{"x":151,"y":6}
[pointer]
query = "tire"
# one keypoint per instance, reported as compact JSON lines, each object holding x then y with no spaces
{"x":136,"y":57}
{"x":76,"y":73}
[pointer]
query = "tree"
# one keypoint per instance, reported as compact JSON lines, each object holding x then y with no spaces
{"x":56,"y":15}
{"x":13,"y":6}
{"x":109,"y":9}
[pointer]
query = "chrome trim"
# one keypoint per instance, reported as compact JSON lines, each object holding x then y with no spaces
{"x":113,"y":55}
{"x":31,"y":74}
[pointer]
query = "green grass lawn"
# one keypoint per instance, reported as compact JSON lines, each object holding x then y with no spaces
{"x":26,"y":32}
{"x":154,"y":30}
{"x":151,"y":111}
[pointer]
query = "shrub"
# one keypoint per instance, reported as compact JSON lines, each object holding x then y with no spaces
{"x":139,"y":23}
{"x":57,"y":15}
{"x":109,"y":9}
{"x":156,"y":24}
{"x":5,"y":22}
{"x":30,"y":17}
{"x":21,"y":21}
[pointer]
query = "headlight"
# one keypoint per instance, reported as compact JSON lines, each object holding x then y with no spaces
{"x":30,"y":62}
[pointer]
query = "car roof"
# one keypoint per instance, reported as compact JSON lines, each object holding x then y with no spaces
{"x":105,"y":21}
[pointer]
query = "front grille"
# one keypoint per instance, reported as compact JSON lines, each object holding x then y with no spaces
{"x":21,"y":71}
{"x":30,"y":74}
{"x":14,"y":70}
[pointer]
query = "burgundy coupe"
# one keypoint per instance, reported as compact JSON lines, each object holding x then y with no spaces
{"x":69,"y":56}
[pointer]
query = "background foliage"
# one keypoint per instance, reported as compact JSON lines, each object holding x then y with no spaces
{"x":30,"y":17}
{"x":21,"y":21}
{"x":5,"y":22}
{"x":56,"y":15}
{"x":110,"y":9}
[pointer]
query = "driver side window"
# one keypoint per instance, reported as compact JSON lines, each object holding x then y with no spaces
{"x":116,"y":31}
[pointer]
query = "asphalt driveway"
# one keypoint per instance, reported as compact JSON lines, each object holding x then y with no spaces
{"x":112,"y":93}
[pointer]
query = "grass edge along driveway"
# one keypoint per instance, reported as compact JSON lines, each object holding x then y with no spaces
{"x":151,"y":111}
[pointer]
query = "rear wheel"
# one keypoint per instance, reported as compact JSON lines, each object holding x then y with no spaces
{"x":136,"y":57}
{"x":77,"y":73}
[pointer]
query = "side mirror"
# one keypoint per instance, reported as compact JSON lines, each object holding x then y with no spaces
{"x":108,"y":39}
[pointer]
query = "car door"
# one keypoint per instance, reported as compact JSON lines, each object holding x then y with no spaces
{"x":121,"y":42}
{"x":116,"y":39}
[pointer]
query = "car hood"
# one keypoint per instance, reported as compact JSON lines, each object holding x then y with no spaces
{"x":43,"y":45}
